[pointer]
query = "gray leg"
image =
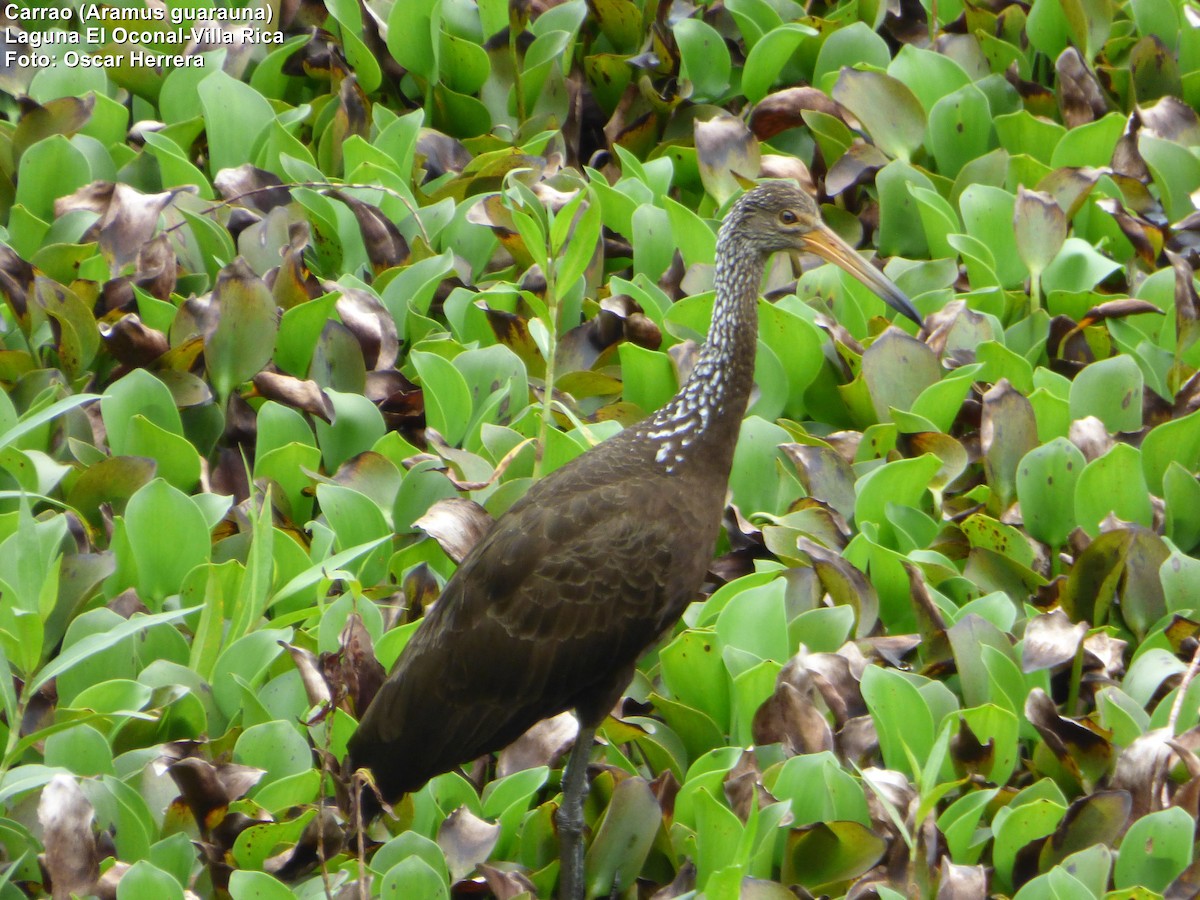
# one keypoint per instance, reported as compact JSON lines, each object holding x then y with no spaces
{"x":570,"y":816}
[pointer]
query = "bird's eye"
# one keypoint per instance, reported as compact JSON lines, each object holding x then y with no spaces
{"x":787,"y":217}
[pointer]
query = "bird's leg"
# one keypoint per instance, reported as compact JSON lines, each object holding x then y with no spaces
{"x":570,"y":816}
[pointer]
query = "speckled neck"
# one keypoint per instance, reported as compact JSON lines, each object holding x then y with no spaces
{"x":710,"y":405}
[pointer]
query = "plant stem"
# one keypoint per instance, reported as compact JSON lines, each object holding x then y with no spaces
{"x":1076,"y":679}
{"x":551,"y":355}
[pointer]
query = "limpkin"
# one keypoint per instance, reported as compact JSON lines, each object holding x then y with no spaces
{"x":552,"y":608}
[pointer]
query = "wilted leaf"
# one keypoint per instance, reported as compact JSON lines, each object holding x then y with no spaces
{"x":725,"y":149}
{"x":457,"y":524}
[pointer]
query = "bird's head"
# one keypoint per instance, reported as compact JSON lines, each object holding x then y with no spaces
{"x":778,"y":216}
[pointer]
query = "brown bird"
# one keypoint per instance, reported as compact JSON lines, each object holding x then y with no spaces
{"x":553,"y":607}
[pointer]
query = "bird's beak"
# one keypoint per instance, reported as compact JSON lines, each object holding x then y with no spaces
{"x":826,"y":244}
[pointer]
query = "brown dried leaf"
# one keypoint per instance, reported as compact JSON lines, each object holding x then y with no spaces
{"x":743,"y":786}
{"x":315,"y":685}
{"x":1051,"y":640}
{"x":128,"y":218}
{"x":1007,"y":432}
{"x":1079,"y":94}
{"x":467,"y":840}
{"x":1127,"y":159}
{"x":783,"y":109}
{"x":457,"y":524}
{"x":253,"y":187}
{"x":306,"y":396}
{"x":845,"y":584}
{"x":834,"y":677}
{"x":505,"y":884}
{"x":207,"y":788}
{"x":72,"y":859}
{"x":157,"y":268}
{"x":131,"y":342}
{"x":1091,"y":437}
{"x":1137,"y":771}
{"x":857,"y":165}
{"x":789,"y":168}
{"x":1172,"y":120}
{"x":961,"y":882}
{"x":725,"y":149}
{"x":788,"y":717}
{"x":1118,"y":309}
{"x":386,"y":246}
{"x":1077,"y":747}
{"x":541,"y":745}
{"x":370,"y":322}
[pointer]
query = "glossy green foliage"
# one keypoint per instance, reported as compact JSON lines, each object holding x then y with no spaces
{"x":269,"y":321}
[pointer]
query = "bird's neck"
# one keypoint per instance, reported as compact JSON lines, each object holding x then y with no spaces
{"x":704,"y":418}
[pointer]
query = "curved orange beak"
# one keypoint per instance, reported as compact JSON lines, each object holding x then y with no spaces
{"x":826,"y":244}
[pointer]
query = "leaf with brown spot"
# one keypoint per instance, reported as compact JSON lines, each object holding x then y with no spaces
{"x":512,"y":331}
{"x":1041,"y":228}
{"x":243,"y":341}
{"x":1070,"y":186}
{"x":1096,"y":819}
{"x":292,"y":283}
{"x":1187,"y":305}
{"x":1008,"y":431}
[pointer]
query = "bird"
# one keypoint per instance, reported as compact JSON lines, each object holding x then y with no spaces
{"x":555,"y":604}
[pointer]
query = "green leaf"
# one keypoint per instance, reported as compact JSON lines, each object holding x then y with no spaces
{"x":244,"y":339}
{"x":1114,"y":483}
{"x":1155,"y":850}
{"x":888,"y":110}
{"x":1046,"y":480}
{"x":168,"y":537}
{"x":902,"y":718}
{"x":828,"y":855}
{"x":1110,"y":390}
{"x":960,"y":129}
{"x":768,"y":56}
{"x":234,"y":115}
{"x":704,"y":58}
{"x":623,"y":838}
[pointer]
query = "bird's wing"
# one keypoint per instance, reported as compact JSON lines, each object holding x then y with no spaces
{"x":548,"y":610}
